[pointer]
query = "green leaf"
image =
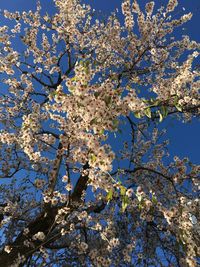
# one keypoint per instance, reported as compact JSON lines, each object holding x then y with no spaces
{"x":74,"y":79}
{"x":140,"y":207}
{"x":86,"y":63}
{"x":118,"y":179}
{"x":123,"y":191}
{"x":160,"y":115}
{"x":139,"y":197}
{"x":107,"y":100}
{"x":156,"y":103}
{"x":164,"y":111}
{"x":71,"y":88}
{"x":147,"y":112}
{"x":101,"y":132}
{"x":109,"y":195}
{"x":154,"y":200}
{"x":87,"y":70}
{"x":125,"y":202}
{"x":96,"y":94}
{"x":175,"y":100}
{"x":93,"y":121}
{"x":80,"y":104}
{"x":93,"y":157}
{"x":53,"y":93}
{"x":137,"y":115}
{"x":178,"y":107}
{"x":115,"y":123}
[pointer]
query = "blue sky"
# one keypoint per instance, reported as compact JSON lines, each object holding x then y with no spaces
{"x":184,"y":138}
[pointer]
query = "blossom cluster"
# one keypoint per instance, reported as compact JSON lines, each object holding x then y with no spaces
{"x":78,"y":82}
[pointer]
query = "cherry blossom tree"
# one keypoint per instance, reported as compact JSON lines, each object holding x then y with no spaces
{"x":72,"y":86}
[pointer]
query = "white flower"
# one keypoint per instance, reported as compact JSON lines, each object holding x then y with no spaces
{"x":68,"y":187}
{"x":114,"y":242}
{"x":129,"y":192}
{"x":8,"y":249}
{"x":40,"y":236}
{"x":65,"y":179}
{"x":26,"y":231}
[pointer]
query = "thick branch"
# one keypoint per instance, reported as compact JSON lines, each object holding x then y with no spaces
{"x":80,"y":186}
{"x":41,"y":224}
